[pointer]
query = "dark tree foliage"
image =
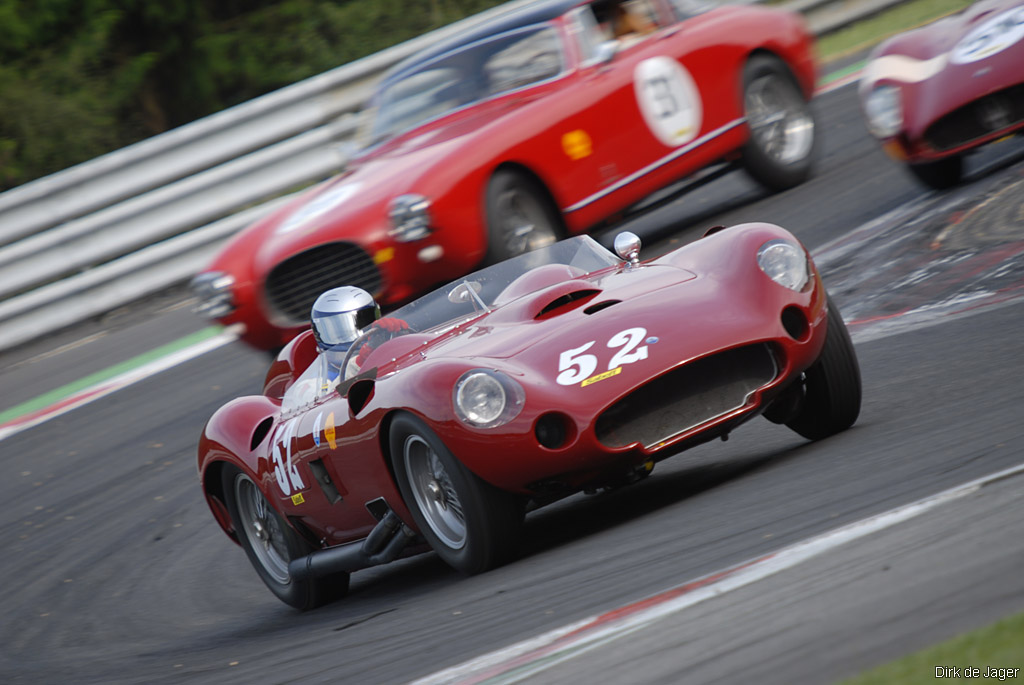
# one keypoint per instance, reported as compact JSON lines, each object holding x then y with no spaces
{"x":79,"y":78}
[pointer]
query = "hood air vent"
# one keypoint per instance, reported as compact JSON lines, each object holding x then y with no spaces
{"x":595,"y":308}
{"x":564,"y":301}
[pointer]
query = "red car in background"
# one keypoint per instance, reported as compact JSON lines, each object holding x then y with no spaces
{"x":934,"y":94}
{"x":539,"y":124}
{"x":560,"y":370}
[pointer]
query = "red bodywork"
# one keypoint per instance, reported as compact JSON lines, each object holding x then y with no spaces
{"x":696,"y":304}
{"x":580,"y":136}
{"x":961,"y":81}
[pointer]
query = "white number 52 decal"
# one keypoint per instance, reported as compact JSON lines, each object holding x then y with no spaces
{"x":575,"y":365}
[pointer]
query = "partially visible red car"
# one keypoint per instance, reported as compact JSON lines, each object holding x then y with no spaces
{"x":937,"y":93}
{"x":539,"y":124}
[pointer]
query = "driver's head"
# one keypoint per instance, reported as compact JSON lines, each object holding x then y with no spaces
{"x":340,"y":315}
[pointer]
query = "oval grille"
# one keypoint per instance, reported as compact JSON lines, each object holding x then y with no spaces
{"x":294,"y":284}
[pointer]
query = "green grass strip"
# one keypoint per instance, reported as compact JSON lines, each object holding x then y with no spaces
{"x":55,"y":396}
{"x":868,"y":32}
{"x":1000,"y":645}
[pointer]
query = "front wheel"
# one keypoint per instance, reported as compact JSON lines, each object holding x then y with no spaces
{"x":270,"y":543}
{"x":520,"y":218}
{"x":832,"y":388}
{"x":783,"y":140}
{"x":472,"y":525}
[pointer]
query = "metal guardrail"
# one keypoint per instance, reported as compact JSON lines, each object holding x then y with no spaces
{"x":139,"y":220}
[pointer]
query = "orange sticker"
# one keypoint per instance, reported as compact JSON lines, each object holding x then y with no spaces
{"x":329,"y":431}
{"x":577,"y":144}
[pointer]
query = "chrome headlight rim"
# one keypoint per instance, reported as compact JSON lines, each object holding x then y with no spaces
{"x":487,"y":398}
{"x":785,"y":262}
{"x":883,"y":110}
{"x":214,"y":293}
{"x":409,"y":215}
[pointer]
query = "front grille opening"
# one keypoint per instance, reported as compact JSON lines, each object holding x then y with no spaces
{"x":986,"y":115}
{"x":686,"y":397}
{"x":294,"y":284}
{"x":795,"y":323}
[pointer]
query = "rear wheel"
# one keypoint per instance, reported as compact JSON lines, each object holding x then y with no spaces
{"x":472,"y":525}
{"x":520,"y":218}
{"x":783,"y":140}
{"x":941,"y":174}
{"x":831,"y":386}
{"x":270,"y":543}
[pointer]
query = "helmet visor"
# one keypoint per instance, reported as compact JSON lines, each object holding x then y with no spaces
{"x":343,"y":327}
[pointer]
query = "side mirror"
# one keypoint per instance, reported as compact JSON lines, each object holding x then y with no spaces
{"x":627,"y":246}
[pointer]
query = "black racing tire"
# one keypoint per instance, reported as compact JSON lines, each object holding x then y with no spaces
{"x":941,"y":174}
{"x":472,"y":525}
{"x":520,"y":216}
{"x":832,"y":385}
{"x":270,"y":543}
{"x":783,"y":143}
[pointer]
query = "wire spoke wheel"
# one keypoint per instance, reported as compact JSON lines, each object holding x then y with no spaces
{"x":262,"y":529}
{"x":525,"y":225}
{"x":520,"y":216}
{"x":434,"y":492}
{"x":778,"y":119}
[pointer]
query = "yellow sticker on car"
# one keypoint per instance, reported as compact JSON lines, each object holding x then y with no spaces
{"x":601,"y":376}
{"x":298,"y":499}
{"x":577,"y":144}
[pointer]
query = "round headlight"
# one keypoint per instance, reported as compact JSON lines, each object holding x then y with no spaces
{"x":214,"y":295}
{"x":485,"y":398}
{"x":884,"y":110}
{"x":785,"y":263}
{"x":410,"y":218}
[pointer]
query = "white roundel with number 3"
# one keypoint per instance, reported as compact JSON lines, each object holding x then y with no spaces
{"x":669,"y":100}
{"x":577,"y":365}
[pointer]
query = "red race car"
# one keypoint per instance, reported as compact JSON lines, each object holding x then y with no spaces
{"x":933,"y":94}
{"x":559,"y":370}
{"x":539,"y":124}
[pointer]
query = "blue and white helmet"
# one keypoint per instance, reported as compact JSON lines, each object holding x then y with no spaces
{"x":340,"y":315}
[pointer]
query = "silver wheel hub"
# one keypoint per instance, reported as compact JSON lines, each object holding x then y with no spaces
{"x":434,"y":492}
{"x":778,"y":119}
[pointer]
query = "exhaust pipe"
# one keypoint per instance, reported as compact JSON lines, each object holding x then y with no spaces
{"x":383,"y":545}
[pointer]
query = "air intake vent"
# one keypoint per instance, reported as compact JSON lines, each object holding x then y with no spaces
{"x":564,"y":300}
{"x":595,"y":308}
{"x":294,"y":284}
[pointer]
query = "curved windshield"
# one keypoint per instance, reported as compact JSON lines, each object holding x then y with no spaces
{"x":470,"y":295}
{"x":472,"y":73}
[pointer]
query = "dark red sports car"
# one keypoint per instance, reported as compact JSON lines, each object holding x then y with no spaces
{"x":562,"y":369}
{"x":934,"y":94}
{"x":536,"y":125}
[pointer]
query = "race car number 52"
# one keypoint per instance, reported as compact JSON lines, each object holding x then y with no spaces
{"x":576,"y":365}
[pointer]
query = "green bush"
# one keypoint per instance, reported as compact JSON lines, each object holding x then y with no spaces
{"x":79,"y":78}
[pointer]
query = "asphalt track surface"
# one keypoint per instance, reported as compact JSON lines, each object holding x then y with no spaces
{"x":114,"y":571}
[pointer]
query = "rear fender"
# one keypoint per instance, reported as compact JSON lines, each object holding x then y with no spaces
{"x":234,"y":435}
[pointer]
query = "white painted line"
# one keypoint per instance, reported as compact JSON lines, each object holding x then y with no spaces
{"x":530,"y":657}
{"x":112,"y":385}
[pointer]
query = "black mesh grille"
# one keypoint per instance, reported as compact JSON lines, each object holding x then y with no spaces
{"x":686,"y":397}
{"x":987,"y":115}
{"x":294,"y":284}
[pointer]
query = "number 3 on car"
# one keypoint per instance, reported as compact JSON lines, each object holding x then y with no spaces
{"x":575,"y":365}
